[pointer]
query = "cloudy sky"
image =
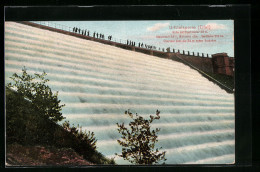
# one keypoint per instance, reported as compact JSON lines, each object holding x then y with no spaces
{"x":148,"y":31}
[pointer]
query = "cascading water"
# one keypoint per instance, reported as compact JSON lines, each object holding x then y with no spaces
{"x":99,"y":82}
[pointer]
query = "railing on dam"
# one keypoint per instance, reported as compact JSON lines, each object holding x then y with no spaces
{"x":126,"y":44}
{"x":70,"y":29}
{"x":218,"y":63}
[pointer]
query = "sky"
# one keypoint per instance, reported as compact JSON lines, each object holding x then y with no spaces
{"x":165,"y":33}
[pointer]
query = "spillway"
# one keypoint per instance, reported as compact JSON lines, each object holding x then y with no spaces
{"x":98,"y":83}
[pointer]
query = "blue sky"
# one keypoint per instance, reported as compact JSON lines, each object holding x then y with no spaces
{"x":146,"y":32}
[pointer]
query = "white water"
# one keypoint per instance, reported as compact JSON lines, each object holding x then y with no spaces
{"x":99,"y":82}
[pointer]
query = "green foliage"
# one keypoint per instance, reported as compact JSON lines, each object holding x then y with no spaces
{"x":24,"y":124}
{"x":224,"y":79}
{"x":35,"y":90}
{"x":86,"y":144}
{"x":138,"y":142}
{"x":84,"y":137}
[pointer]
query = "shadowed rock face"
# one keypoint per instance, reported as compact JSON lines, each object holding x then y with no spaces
{"x":99,"y":82}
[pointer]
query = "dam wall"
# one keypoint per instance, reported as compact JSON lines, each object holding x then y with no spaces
{"x":98,"y":82}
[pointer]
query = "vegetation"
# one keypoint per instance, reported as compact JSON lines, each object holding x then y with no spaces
{"x":224,"y":79}
{"x":34,"y":89}
{"x":32,"y":113}
{"x":138,"y":142}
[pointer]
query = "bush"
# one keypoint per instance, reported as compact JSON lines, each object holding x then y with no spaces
{"x":86,"y":144}
{"x":138,"y":142}
{"x":38,"y":93}
{"x":24,"y":124}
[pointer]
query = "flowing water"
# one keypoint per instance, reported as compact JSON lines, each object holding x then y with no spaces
{"x":98,"y":83}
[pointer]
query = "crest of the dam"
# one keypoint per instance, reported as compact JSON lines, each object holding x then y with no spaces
{"x":99,"y":80}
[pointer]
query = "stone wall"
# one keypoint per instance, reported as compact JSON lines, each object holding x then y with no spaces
{"x":223,"y":64}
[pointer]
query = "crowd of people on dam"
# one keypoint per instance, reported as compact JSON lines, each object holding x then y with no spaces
{"x":86,"y":32}
{"x":81,"y":31}
{"x":141,"y":45}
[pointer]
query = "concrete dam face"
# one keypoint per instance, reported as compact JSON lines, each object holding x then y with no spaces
{"x":98,"y":83}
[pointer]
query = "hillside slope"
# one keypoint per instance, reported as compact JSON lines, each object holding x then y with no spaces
{"x":19,"y":155}
{"x":99,"y":82}
{"x":28,"y":130}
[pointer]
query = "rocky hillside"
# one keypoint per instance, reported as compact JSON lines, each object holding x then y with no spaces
{"x":19,"y":155}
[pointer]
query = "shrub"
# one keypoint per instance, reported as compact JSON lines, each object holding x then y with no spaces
{"x":86,"y":144}
{"x":85,"y":138}
{"x":138,"y":142}
{"x":40,"y":95}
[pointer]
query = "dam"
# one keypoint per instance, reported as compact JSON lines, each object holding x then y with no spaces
{"x":99,"y":82}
